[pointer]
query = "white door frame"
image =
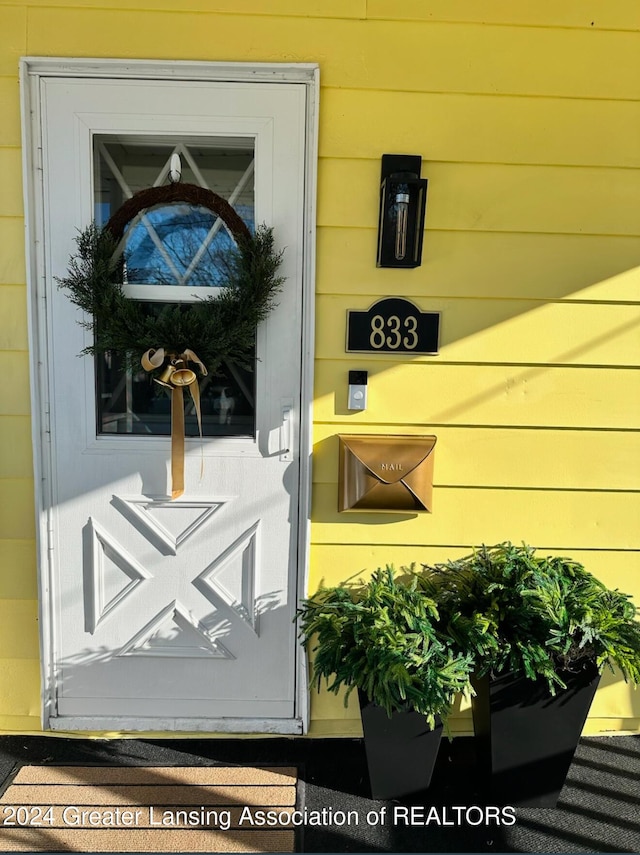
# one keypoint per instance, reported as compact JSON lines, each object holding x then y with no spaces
{"x":32,"y":70}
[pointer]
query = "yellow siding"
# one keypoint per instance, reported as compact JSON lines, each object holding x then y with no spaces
{"x":273,"y":8}
{"x":486,"y":264}
{"x":12,"y":258}
{"x":15,"y":383}
{"x":355,"y":53}
{"x":508,"y":395}
{"x":494,"y":331}
{"x":598,"y":520}
{"x":527,"y":116}
{"x":466,"y":457}
{"x":19,"y":629}
{"x":581,"y":200}
{"x":482,"y":128}
{"x":13,"y":39}
{"x":15,"y":434}
{"x":10,"y":110}
{"x":11,"y":198}
{"x":17,"y":576}
{"x":606,"y":14}
{"x":13,"y":311}
{"x":617,"y":568}
{"x":16,"y":501}
{"x":20,"y":695}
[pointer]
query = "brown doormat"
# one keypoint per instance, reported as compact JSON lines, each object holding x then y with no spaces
{"x":149,"y":809}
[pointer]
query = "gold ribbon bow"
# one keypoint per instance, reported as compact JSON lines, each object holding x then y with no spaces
{"x":176,"y":376}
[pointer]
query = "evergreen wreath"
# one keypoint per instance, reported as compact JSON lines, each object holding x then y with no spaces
{"x":218,"y":328}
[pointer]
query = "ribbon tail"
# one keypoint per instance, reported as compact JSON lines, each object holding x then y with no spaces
{"x":190,"y":356}
{"x":175,"y":376}
{"x":177,"y":442}
{"x":195,"y":394}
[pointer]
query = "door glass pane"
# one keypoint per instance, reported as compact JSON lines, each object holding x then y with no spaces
{"x":178,"y":245}
{"x":183,"y":255}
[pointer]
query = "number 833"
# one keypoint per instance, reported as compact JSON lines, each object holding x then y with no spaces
{"x":393,"y":332}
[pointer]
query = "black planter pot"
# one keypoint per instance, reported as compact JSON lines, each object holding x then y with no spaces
{"x":401,"y":750}
{"x":526,"y":737}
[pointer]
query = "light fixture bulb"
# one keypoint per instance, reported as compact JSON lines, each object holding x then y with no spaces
{"x":402,"y":222}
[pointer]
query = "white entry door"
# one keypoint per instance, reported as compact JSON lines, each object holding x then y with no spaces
{"x":172,"y":615}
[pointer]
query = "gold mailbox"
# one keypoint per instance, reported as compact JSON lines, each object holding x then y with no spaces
{"x":385,"y":473}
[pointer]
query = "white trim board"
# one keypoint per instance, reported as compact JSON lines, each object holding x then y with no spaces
{"x":140,"y":69}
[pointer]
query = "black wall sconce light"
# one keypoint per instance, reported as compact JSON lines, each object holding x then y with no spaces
{"x":403,"y":202}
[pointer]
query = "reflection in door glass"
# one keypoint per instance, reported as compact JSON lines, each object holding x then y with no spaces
{"x":131,"y":402}
{"x":176,"y":244}
{"x":171,"y":246}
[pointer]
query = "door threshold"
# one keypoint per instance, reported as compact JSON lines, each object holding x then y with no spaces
{"x":182,"y":726}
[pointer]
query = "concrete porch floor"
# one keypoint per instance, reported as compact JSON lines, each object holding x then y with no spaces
{"x":598,"y":811}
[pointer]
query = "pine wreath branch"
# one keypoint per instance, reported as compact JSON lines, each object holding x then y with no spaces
{"x":218,"y":328}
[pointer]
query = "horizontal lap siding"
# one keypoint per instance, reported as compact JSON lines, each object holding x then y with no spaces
{"x":496,"y":198}
{"x":580,"y":519}
{"x":19,"y":655}
{"x":504,"y":395}
{"x":616,"y":568}
{"x":482,"y":128}
{"x":12,"y":258}
{"x":531,"y":255}
{"x":606,"y":14}
{"x":485,"y":330}
{"x":440,"y":57}
{"x":527,"y":116}
{"x":486,"y":264}
{"x":271,"y":8}
{"x":13,"y":311}
{"x":18,"y":578}
{"x":550,"y":459}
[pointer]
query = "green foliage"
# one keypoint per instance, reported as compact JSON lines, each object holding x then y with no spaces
{"x":514,"y":610}
{"x":218,"y":328}
{"x":384,"y":637}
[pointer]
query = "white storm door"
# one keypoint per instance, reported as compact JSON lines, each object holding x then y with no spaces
{"x":173,"y":615}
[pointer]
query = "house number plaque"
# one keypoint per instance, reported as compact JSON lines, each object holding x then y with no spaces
{"x":393,"y":325}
